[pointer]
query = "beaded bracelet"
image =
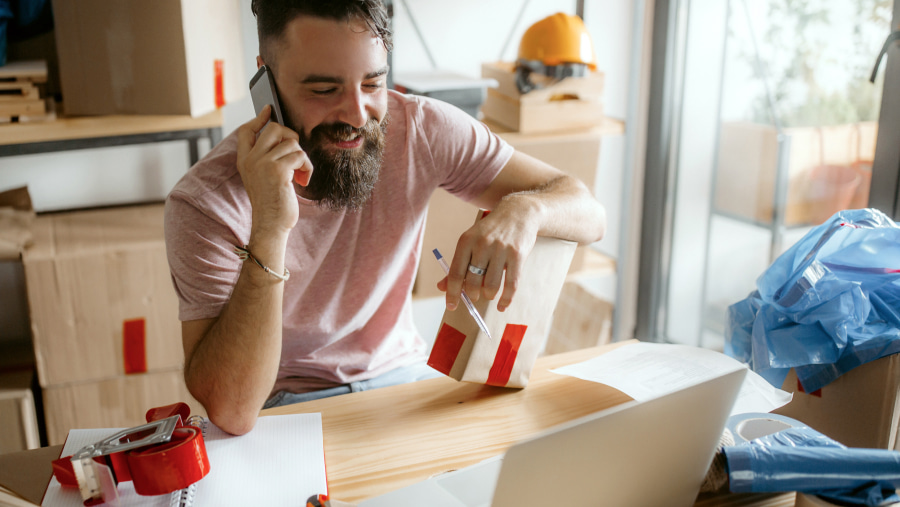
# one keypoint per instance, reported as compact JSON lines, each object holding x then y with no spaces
{"x":244,"y":254}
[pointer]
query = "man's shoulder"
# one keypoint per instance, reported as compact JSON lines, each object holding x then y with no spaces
{"x":418,"y":109}
{"x":213,"y":174}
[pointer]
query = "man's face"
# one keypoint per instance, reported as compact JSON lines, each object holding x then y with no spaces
{"x":331,"y":79}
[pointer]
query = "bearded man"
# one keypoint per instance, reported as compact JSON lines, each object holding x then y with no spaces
{"x":336,"y":199}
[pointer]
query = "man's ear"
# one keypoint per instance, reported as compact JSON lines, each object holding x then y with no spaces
{"x":259,"y":62}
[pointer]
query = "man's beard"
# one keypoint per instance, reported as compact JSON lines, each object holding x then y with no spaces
{"x":344,"y":178}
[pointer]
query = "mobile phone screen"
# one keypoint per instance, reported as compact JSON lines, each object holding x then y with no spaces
{"x":263,"y":91}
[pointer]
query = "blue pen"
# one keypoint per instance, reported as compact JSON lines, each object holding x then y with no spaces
{"x":465,"y":298}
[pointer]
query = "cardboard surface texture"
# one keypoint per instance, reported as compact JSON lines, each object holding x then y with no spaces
{"x":572,"y":103}
{"x":164,"y":57}
{"x":119,"y":402}
{"x":859,"y":409}
{"x":28,"y":473}
{"x":575,"y":153}
{"x":87,"y":275}
{"x":16,"y":217}
{"x":829,"y":169}
{"x":18,"y":420}
{"x":581,"y":319}
{"x":463,"y":352}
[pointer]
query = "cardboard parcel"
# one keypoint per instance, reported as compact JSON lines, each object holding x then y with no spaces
{"x":464,"y":352}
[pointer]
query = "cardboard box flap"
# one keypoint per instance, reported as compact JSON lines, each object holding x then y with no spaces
{"x":28,"y":473}
{"x":16,"y":218}
{"x":94,"y":232}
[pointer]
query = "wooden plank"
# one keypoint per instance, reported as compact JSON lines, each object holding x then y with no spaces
{"x":87,"y":127}
{"x":18,"y":90}
{"x":22,"y":107}
{"x":24,"y":70}
{"x":380,"y":440}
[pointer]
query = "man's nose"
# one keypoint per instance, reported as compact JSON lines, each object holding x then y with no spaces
{"x":353,"y":109}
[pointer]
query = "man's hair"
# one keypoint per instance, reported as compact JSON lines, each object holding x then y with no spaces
{"x":272,"y":16}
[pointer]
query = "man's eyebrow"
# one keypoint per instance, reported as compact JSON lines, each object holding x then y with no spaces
{"x":314,"y":78}
{"x":318,"y":78}
{"x":378,"y":73}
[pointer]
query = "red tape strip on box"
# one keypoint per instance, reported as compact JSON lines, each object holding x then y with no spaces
{"x":506,"y":355}
{"x":219,"y":66}
{"x":446,"y":347}
{"x":817,"y":392}
{"x":134,"y":345}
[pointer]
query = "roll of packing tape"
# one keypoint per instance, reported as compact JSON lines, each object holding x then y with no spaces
{"x":168,"y":467}
{"x":753,"y":425}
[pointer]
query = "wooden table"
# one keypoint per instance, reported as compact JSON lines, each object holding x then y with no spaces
{"x":381,"y":440}
{"x":84,"y":132}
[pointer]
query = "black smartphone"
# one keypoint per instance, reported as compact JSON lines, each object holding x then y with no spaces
{"x":263,"y":91}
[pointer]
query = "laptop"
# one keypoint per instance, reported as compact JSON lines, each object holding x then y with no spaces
{"x":638,"y":454}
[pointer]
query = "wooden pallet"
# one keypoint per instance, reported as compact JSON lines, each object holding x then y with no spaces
{"x":20,"y":97}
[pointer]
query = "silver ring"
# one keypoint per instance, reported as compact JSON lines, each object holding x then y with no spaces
{"x":475,"y":270}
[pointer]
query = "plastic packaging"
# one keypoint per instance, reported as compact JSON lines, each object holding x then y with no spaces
{"x":827,"y":305}
{"x":802,"y":459}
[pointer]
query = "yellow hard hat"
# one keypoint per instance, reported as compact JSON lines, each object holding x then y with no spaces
{"x":556,"y":40}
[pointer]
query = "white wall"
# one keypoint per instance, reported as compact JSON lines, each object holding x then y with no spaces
{"x":460,"y":35}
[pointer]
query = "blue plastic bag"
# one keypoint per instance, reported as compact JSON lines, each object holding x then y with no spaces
{"x":802,"y":459}
{"x":827,"y":305}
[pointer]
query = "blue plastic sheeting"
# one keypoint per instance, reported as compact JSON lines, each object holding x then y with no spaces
{"x":827,"y":305}
{"x":802,"y":459}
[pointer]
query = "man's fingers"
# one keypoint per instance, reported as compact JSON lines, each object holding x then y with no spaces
{"x":257,"y":123}
{"x":247,"y":132}
{"x":493,"y":276}
{"x":457,"y":275}
{"x":511,"y":284}
{"x":475,"y":275}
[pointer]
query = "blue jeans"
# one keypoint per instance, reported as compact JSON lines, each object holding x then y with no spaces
{"x":403,"y":375}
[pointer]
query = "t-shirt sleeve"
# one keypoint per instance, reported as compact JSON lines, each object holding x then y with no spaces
{"x":466,"y":153}
{"x":203,"y":265}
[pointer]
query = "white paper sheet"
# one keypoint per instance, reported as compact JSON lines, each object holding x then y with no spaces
{"x":648,"y":370}
{"x":280,"y":462}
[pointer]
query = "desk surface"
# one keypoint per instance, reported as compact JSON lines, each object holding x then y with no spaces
{"x":380,"y":440}
{"x":87,"y":127}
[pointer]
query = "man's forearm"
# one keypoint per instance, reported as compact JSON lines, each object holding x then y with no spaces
{"x":232,"y":369}
{"x":562,"y":208}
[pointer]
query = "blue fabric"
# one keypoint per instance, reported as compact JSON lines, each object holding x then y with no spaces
{"x":28,"y":11}
{"x":397,"y":376}
{"x":827,"y":305}
{"x":5,"y":14}
{"x":802,"y":459}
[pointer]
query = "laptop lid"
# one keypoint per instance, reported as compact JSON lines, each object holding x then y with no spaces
{"x":653,"y":453}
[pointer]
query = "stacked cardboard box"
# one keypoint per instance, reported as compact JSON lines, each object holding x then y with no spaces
{"x":828,"y":169}
{"x":859,"y":409}
{"x":164,"y":57}
{"x":107,"y":340}
{"x":583,"y":317}
{"x":18,"y":420}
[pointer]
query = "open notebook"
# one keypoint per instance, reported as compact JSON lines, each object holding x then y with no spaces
{"x":280,"y":462}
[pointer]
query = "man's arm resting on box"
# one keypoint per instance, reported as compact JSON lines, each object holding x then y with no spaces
{"x":527,"y":199}
{"x":231,"y":362}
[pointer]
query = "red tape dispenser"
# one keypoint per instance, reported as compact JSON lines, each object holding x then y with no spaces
{"x":162,"y":456}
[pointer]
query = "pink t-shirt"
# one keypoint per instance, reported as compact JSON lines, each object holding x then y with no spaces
{"x":347,"y":313}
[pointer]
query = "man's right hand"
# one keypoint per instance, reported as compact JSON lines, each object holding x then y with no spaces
{"x":269,"y":162}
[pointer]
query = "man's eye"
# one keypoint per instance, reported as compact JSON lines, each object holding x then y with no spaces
{"x":327,"y":91}
{"x":374,"y":85}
